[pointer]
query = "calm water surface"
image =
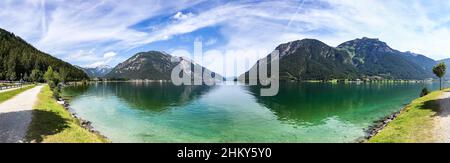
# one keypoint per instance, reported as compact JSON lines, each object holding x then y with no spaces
{"x":301,"y":112}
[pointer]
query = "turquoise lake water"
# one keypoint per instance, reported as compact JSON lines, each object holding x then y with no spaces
{"x":301,"y":112}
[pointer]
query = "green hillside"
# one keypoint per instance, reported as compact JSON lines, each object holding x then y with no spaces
{"x":20,"y":60}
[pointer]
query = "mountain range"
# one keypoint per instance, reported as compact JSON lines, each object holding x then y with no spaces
{"x":96,"y":72}
{"x":307,"y":59}
{"x":154,"y":65}
{"x":364,"y":58}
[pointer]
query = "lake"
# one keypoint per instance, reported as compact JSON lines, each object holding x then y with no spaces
{"x":301,"y":112}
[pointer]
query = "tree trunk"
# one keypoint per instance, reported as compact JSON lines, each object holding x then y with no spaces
{"x":440,"y":83}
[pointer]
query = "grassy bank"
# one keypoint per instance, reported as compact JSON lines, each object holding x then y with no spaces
{"x":52,"y":123}
{"x":414,"y":124}
{"x":10,"y":94}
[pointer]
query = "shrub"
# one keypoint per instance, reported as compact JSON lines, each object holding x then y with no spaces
{"x":424,"y":92}
{"x":57,"y":92}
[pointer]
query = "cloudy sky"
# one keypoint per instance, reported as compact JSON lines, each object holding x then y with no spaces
{"x":97,"y":32}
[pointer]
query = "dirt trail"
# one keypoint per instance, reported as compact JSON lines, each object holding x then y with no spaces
{"x":16,"y":114}
{"x":442,"y":126}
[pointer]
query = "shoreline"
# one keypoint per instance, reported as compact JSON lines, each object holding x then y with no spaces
{"x":336,"y":81}
{"x":82,"y":122}
{"x":413,"y":124}
{"x":378,"y":126}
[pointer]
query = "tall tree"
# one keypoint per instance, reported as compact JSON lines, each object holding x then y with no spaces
{"x":440,"y":70}
{"x":34,"y":76}
{"x":51,"y":77}
{"x":48,"y":76}
{"x":63,"y":73}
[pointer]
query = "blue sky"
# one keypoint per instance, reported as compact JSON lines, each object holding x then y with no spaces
{"x":97,"y":32}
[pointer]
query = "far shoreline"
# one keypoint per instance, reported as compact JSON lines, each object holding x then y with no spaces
{"x":334,"y":81}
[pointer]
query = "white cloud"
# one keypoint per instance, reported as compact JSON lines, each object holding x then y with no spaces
{"x":70,"y":29}
{"x":91,"y":57}
{"x":63,"y":28}
{"x":404,"y":25}
{"x":418,"y":26}
{"x":181,"y":16}
{"x":109,"y":55}
{"x":102,"y":61}
{"x":82,"y":56}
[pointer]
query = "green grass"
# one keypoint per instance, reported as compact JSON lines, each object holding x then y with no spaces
{"x":415,"y":124}
{"x":10,"y":94}
{"x":52,"y":123}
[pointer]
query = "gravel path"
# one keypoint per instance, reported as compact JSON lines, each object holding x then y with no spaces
{"x":16,"y":114}
{"x":442,"y":126}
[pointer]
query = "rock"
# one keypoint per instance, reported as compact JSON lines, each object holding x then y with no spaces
{"x":379,"y":125}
